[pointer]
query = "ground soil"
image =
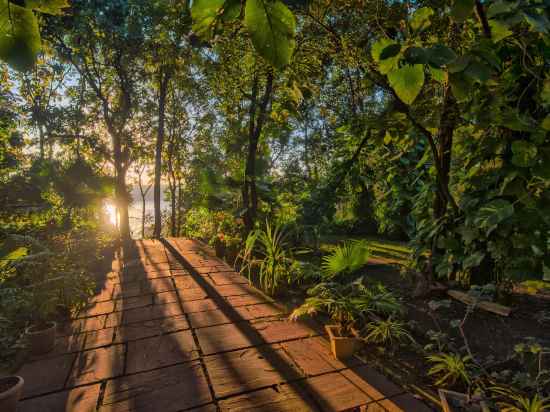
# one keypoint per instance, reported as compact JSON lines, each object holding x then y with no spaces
{"x":488,"y":334}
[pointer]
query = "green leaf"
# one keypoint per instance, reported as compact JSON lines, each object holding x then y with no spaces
{"x":416,"y":55}
{"x":462,"y":9}
{"x":499,"y":30}
{"x":205,"y":14}
{"x":492,"y":213}
{"x":407,"y":82}
{"x":538,"y":22}
{"x":388,"y":64}
{"x":440,"y":55}
{"x":390,"y":51}
{"x":473,"y":260}
{"x":271,"y":26}
{"x":500,"y":7}
{"x":478,"y":71}
{"x":459,"y":64}
{"x":460,"y":86}
{"x":546,"y":122}
{"x":54,"y":7}
{"x":19,"y":36}
{"x":420,"y":20}
{"x":524,"y":153}
{"x":439,"y":75}
{"x":231,"y":10}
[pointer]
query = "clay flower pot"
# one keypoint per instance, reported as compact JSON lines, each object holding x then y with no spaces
{"x":41,"y":338}
{"x":342,"y":346}
{"x":452,"y":401}
{"x":10,"y":392}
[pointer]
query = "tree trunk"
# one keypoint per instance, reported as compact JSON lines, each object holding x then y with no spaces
{"x":121,"y":197}
{"x":164,"y":77}
{"x":249,"y":192}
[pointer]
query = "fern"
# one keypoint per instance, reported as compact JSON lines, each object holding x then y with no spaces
{"x":346,"y":258}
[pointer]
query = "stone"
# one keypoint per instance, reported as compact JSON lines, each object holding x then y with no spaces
{"x":198,"y":305}
{"x":261,"y":310}
{"x":151,"y":312}
{"x":372,"y":382}
{"x":227,"y":337}
{"x":164,"y":350}
{"x":208,"y":318}
{"x":133,"y":302}
{"x":170,"y":389}
{"x":281,"y":330}
{"x":82,"y":399}
{"x":312,"y":355}
{"x":98,"y":338}
{"x":245,"y":370}
{"x":335,"y":393}
{"x":45,"y":375}
{"x":150,"y":328}
{"x":97,"y":364}
{"x":280,"y":398}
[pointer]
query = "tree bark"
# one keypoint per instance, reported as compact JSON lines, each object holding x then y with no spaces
{"x":164,"y":78}
{"x":256,"y":122}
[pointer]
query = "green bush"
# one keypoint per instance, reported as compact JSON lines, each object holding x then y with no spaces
{"x":346,"y":258}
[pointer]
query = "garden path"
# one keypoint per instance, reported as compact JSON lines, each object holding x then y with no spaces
{"x":177,"y":329}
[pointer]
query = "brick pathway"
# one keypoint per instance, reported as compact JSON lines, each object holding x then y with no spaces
{"x":177,"y":329}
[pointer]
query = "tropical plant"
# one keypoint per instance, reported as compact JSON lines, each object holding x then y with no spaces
{"x":346,"y":304}
{"x":511,"y":400}
{"x":386,"y":331}
{"x":346,"y":258}
{"x":268,"y":251}
{"x":450,"y":369}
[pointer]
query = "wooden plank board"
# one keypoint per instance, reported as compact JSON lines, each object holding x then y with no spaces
{"x":482,"y":304}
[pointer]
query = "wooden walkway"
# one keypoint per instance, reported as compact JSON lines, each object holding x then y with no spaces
{"x":176,"y":329}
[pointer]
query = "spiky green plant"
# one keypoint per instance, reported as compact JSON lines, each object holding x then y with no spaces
{"x":450,"y":368}
{"x":384,"y":331}
{"x":269,"y":252}
{"x":515,"y":401}
{"x":346,"y":258}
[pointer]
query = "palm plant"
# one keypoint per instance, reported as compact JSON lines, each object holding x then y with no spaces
{"x":346,"y":258}
{"x":268,"y":251}
{"x":345,"y":304}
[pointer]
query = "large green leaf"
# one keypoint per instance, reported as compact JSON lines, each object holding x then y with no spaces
{"x":388,"y":64}
{"x":204,"y":14}
{"x":407,"y":82}
{"x":492,"y":213}
{"x":19,"y":36}
{"x":440,"y":55}
{"x":271,"y":26}
{"x":524,"y":153}
{"x":47,"y":6}
{"x":421,"y":18}
{"x":499,"y":30}
{"x":462,"y":9}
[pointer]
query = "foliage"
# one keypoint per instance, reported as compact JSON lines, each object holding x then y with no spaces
{"x":386,"y":331}
{"x":347,"y":304}
{"x":511,"y":400}
{"x":346,"y":258}
{"x":267,"y":251}
{"x":450,"y":368}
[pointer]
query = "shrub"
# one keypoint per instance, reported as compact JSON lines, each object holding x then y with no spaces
{"x":450,"y":368}
{"x":346,"y":258}
{"x":386,"y":331}
{"x":268,"y":252}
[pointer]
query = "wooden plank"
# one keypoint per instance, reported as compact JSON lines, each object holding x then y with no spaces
{"x":482,"y":304}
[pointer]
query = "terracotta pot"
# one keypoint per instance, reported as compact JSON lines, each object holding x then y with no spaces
{"x":452,"y":401}
{"x":342,"y":346}
{"x":10,"y":392}
{"x":41,"y":339}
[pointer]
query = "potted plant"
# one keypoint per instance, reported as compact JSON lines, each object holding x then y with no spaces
{"x":10,"y":392}
{"x":338,"y":303}
{"x":41,"y":332}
